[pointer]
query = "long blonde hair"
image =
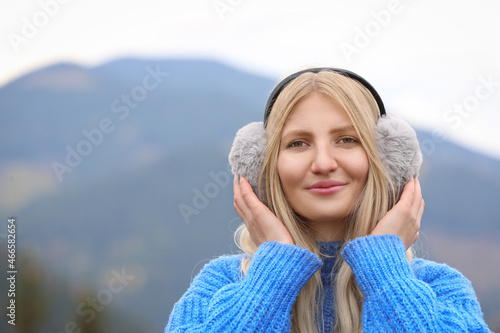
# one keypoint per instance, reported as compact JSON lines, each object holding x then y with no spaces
{"x":371,"y":206}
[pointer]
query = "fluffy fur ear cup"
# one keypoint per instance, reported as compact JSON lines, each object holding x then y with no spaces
{"x":247,"y":154}
{"x":398,"y":149}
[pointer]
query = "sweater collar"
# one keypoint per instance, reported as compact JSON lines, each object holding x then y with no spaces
{"x":329,"y":252}
{"x":329,"y":248}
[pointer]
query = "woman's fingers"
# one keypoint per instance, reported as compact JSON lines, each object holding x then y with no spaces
{"x":261,"y":223}
{"x":408,"y":194}
{"x":411,"y":214}
{"x":244,"y":198}
{"x":247,"y":193}
{"x":417,"y":197}
{"x":404,"y":218}
{"x":238,"y":199}
{"x":418,"y":203}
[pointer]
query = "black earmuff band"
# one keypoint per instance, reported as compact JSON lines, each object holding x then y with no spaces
{"x":277,"y":90}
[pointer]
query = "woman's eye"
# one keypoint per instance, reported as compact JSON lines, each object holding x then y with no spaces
{"x":348,"y":140}
{"x":297,"y":144}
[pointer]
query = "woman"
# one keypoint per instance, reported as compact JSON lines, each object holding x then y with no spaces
{"x":326,"y":248}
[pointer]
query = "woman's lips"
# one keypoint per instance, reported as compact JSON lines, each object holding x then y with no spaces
{"x":326,"y":187}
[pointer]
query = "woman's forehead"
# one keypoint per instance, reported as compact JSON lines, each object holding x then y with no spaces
{"x":316,"y":110}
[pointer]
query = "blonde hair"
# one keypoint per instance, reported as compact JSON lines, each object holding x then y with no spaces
{"x":373,"y":203}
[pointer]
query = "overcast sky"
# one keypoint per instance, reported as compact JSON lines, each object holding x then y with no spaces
{"x":436,"y":63}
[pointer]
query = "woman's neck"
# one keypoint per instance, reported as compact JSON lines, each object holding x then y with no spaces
{"x":328,"y":231}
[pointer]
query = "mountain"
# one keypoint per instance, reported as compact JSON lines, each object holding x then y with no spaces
{"x":122,"y":169}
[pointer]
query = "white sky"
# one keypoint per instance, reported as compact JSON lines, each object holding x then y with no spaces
{"x":424,"y":57}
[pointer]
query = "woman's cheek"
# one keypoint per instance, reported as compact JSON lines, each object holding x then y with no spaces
{"x":290,"y":170}
{"x":360,"y":166}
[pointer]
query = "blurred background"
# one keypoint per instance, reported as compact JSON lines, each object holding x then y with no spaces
{"x":116,"y":119}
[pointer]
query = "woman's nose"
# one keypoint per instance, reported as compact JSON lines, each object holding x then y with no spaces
{"x":324,"y":160}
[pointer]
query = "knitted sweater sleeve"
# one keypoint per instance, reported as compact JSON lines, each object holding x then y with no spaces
{"x":219,"y":300}
{"x":399,"y":297}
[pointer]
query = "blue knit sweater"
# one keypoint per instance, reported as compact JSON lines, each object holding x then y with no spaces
{"x":398,"y":296}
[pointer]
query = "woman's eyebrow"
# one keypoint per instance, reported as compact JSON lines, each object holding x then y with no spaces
{"x":297,"y":133}
{"x":305,"y":133}
{"x":345,"y":128}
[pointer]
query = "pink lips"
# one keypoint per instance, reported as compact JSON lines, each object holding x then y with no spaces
{"x":326,"y":187}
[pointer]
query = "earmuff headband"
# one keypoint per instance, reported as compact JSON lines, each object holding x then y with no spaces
{"x":277,"y":90}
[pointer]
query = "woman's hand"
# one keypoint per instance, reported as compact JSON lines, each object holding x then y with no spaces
{"x":262,"y":224}
{"x":403,"y":220}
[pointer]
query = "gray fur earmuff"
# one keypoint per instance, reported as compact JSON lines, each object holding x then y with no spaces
{"x":247,"y":153}
{"x":398,"y":149}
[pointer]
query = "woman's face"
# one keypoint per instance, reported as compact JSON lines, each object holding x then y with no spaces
{"x":321,"y":164}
